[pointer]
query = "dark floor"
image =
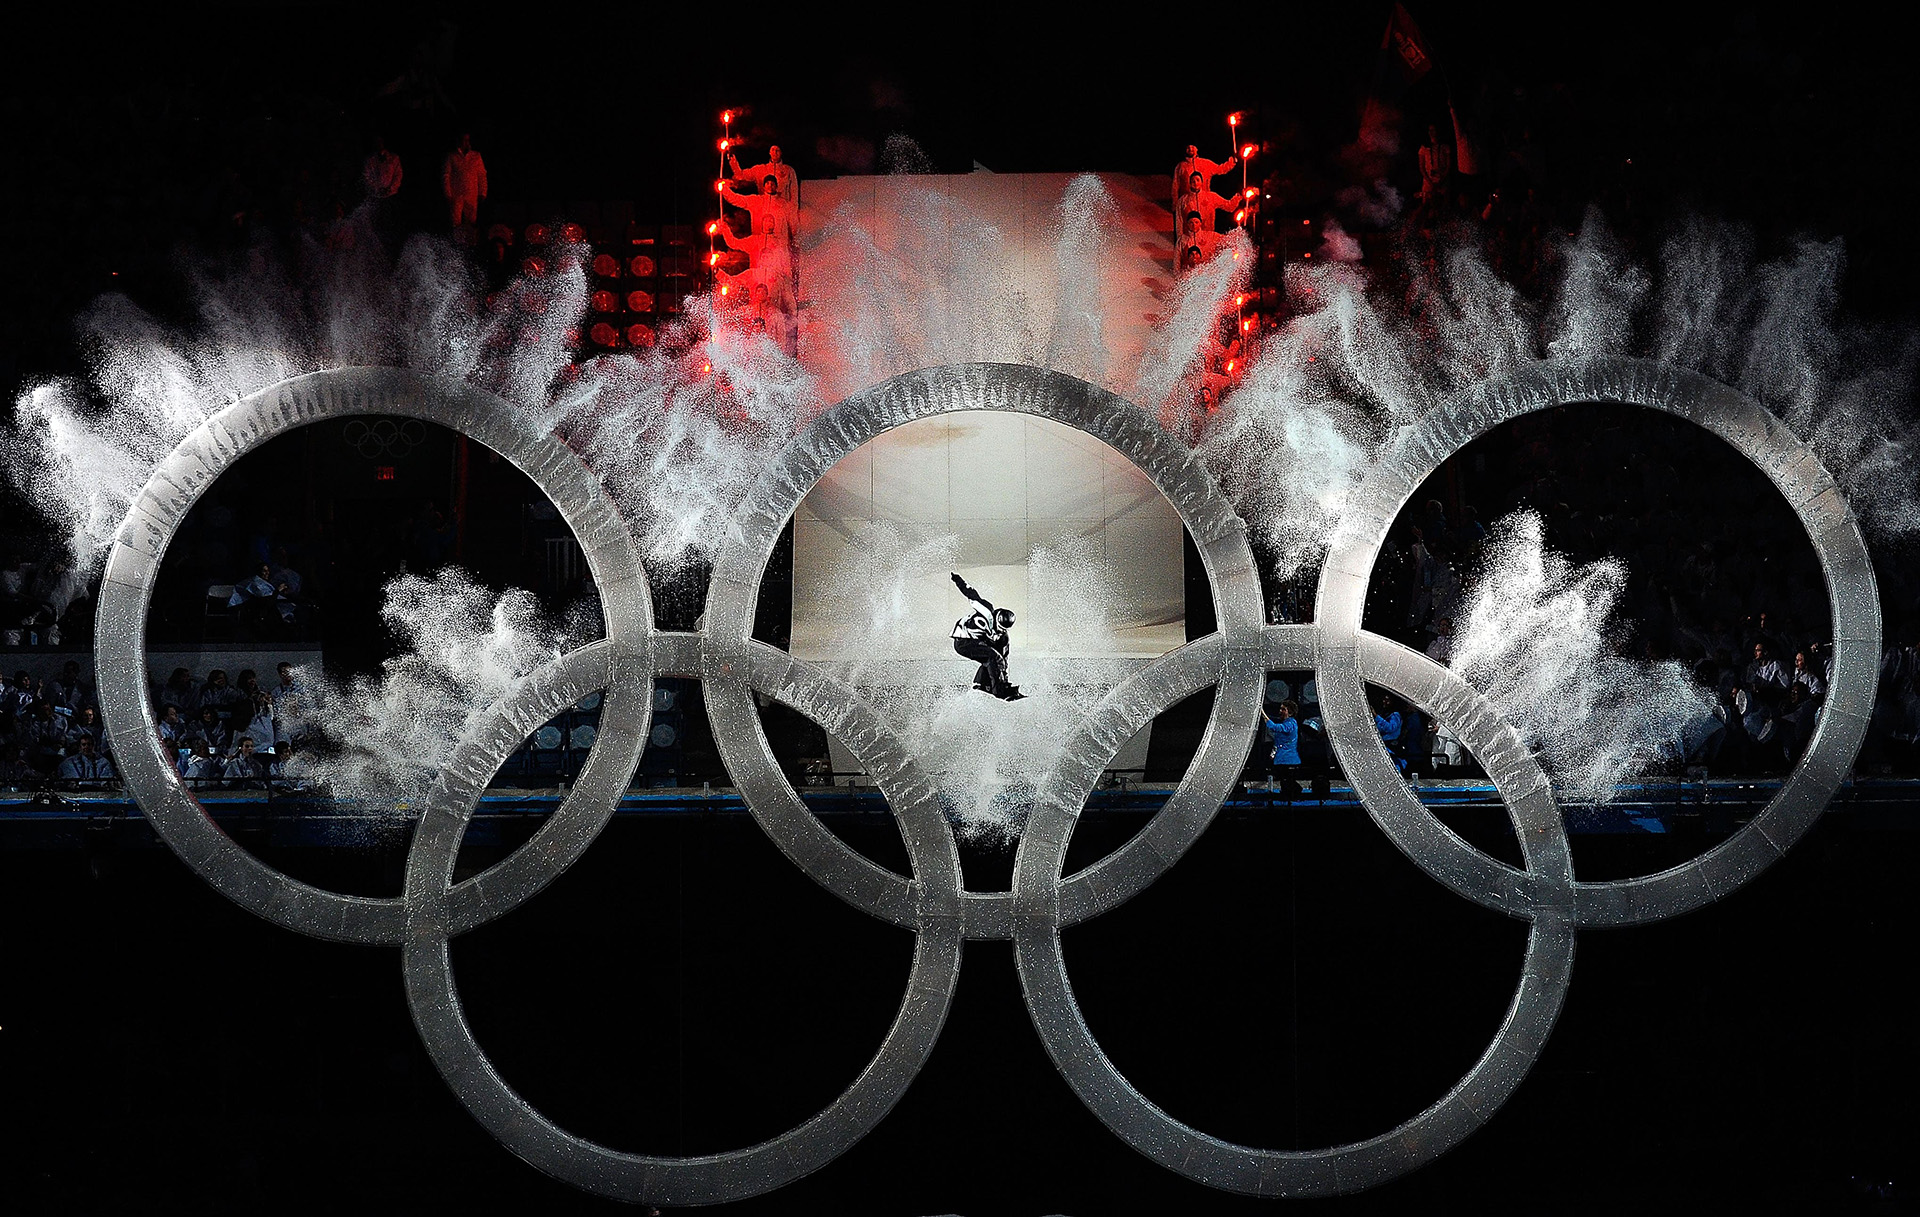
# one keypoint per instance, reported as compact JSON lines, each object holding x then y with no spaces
{"x":1291,"y":982}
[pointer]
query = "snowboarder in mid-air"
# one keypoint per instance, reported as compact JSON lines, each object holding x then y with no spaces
{"x":982,"y":637}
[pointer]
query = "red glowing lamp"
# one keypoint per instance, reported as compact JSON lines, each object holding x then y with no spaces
{"x":1233,"y":120}
{"x":1247,"y":152}
{"x":1240,"y":216}
{"x":705,"y":368}
{"x":726,"y":116}
{"x":713,"y":228}
{"x":719,"y":186}
{"x":725,"y":144}
{"x":713,"y":259}
{"x":1251,"y":191}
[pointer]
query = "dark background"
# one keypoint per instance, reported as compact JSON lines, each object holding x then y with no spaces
{"x":683,"y":988}
{"x":129,"y":141}
{"x":1292,"y":982}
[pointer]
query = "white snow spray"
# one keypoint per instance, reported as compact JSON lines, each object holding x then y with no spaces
{"x":462,"y":647}
{"x":82,"y":448}
{"x":1532,"y":634}
{"x":678,"y":434}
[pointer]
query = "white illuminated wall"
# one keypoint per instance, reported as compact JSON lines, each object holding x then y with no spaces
{"x":1002,"y":486}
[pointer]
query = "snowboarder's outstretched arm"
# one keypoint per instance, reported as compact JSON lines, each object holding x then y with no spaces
{"x":971,"y":594}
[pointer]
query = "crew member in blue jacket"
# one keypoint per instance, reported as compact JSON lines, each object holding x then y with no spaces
{"x":1284,"y":731}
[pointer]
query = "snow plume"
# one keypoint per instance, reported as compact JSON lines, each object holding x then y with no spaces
{"x":1775,"y":331}
{"x":1533,"y":636}
{"x":1337,"y":246}
{"x":1290,"y":442}
{"x":1076,"y":344}
{"x":1597,"y":291}
{"x":936,"y":282}
{"x":384,"y":739}
{"x":986,"y":756}
{"x":902,"y":154}
{"x":1177,"y":351}
{"x":1375,"y":206}
{"x":679,"y":433}
{"x":947,"y":287}
{"x":1481,"y":326}
{"x":83,"y":447}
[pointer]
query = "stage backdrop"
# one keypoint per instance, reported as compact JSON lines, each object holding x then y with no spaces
{"x":1008,"y":494}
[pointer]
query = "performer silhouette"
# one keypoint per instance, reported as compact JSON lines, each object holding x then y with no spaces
{"x":982,"y":637}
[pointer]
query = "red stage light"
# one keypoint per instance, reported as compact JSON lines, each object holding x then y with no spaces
{"x":573,"y":232}
{"x":725,"y":144}
{"x":713,"y":227}
{"x":706,"y":368}
{"x":1252,"y":190}
{"x":605,"y":301}
{"x":1238,"y":301}
{"x":604,"y":335}
{"x":1246,"y":153}
{"x":1229,"y":367}
{"x":1306,"y":255}
{"x":719,"y":186}
{"x":536,"y":234}
{"x":1233,"y":120}
{"x":639,"y":335}
{"x":1240,"y":216}
{"x":1304,"y":222}
{"x":713,"y":259}
{"x":641,"y":267}
{"x":639,"y":302}
{"x":606,"y":266}
{"x":726,"y":116}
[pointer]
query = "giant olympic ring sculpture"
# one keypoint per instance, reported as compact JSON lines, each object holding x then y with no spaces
{"x":933,"y":902}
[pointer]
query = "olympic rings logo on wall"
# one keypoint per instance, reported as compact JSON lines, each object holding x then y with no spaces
{"x":384,"y":437}
{"x":1234,"y":661}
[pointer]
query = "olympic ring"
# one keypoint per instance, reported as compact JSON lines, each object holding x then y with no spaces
{"x":933,"y":902}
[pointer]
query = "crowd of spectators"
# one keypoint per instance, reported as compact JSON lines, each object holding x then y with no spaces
{"x":221,"y":733}
{"x":44,"y":604}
